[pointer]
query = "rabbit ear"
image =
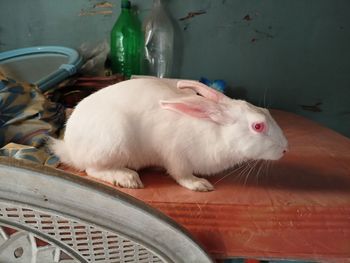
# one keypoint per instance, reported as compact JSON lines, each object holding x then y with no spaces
{"x":199,"y":107}
{"x":201,"y":89}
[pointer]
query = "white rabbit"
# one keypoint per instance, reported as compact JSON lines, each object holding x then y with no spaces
{"x":151,"y":122}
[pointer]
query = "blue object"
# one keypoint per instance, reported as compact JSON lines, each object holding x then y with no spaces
{"x":44,"y":66}
{"x":219,"y":84}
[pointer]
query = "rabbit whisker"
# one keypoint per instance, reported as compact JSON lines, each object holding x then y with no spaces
{"x":240,"y":168}
{"x":229,"y":173}
{"x":249,"y":171}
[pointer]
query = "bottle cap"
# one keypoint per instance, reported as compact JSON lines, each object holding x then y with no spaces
{"x":126,"y":4}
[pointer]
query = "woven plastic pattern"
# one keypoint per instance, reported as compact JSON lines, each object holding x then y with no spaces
{"x":90,"y":242}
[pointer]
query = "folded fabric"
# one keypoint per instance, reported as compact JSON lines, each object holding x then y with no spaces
{"x":29,"y":153}
{"x":26,"y":118}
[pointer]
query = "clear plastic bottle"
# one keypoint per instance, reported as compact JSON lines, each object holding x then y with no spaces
{"x":127,"y":43}
{"x":159,"y":42}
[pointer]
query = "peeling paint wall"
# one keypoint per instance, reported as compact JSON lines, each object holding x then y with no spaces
{"x":292,"y":55}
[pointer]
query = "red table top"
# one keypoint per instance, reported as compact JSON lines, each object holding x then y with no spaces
{"x":298,"y":208}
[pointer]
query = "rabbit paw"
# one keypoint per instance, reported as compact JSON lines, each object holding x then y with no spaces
{"x":196,"y":184}
{"x":122,"y":177}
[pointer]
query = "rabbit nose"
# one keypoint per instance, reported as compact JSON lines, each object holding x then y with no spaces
{"x":285,"y":150}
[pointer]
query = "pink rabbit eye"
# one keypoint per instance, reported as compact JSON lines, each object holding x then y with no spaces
{"x":259,"y":127}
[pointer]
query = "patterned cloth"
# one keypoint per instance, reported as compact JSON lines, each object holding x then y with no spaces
{"x":26,"y":120}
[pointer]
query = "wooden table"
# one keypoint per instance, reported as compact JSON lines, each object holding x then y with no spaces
{"x":298,"y":208}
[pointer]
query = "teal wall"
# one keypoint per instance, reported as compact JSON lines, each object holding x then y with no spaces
{"x":292,"y":55}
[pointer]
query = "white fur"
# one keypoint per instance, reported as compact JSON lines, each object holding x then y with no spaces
{"x":126,"y":126}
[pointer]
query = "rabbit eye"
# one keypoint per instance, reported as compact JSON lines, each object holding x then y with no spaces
{"x":259,"y":127}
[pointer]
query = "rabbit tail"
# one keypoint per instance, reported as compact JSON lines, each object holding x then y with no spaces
{"x":59,"y":148}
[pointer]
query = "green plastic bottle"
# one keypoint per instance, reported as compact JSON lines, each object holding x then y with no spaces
{"x":127,"y":43}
